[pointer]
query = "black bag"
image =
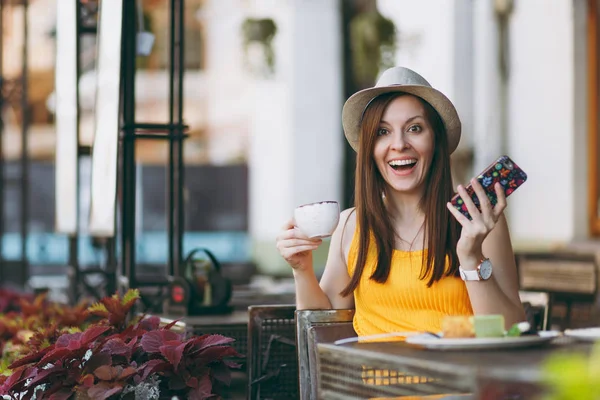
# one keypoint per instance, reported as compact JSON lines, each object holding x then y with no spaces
{"x":202,"y":289}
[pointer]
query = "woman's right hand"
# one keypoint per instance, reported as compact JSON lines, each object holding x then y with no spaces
{"x":295,"y":247}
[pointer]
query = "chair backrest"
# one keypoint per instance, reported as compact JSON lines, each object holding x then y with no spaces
{"x":567,"y":277}
{"x":272,"y":359}
{"x":313,"y":327}
{"x":536,"y":306}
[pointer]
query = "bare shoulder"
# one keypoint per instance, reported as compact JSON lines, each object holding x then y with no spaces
{"x":347,"y":227}
{"x":348,"y":219}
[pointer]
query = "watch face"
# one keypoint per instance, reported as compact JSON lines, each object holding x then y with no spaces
{"x":485,"y":270}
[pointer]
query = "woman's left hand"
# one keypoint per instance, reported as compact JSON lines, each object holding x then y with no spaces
{"x":474,"y":231}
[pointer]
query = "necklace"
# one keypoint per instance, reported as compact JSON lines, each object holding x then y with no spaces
{"x":410,"y":244}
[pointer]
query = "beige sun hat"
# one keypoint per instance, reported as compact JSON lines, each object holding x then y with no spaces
{"x":404,"y":80}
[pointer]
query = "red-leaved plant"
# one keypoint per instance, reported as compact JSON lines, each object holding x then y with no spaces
{"x":27,"y":316}
{"x":112,"y":359}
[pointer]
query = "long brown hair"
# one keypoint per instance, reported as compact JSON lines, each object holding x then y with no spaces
{"x":441,"y":229}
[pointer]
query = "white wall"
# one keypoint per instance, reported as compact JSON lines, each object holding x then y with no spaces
{"x":296,"y":140}
{"x":462,"y":48}
{"x":456,"y":48}
{"x":487,"y":132}
{"x":293,"y":118}
{"x":271,"y":151}
{"x":317,"y":101}
{"x":546,"y":130}
{"x":435,"y":40}
{"x":425,"y":44}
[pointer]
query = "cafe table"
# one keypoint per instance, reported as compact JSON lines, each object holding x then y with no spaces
{"x":395,"y":369}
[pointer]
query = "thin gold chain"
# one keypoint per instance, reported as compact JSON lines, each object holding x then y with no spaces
{"x":410,"y":244}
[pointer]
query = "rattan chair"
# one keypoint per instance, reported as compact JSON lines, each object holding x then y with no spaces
{"x":313,"y":327}
{"x":272,"y":357}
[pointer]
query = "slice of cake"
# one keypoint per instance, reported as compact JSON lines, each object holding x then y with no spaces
{"x":460,"y":326}
{"x":480,"y":326}
{"x":488,"y":326}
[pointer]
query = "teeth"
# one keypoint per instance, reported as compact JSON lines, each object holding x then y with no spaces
{"x":396,"y":163}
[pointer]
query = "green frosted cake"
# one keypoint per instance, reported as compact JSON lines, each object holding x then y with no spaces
{"x":488,"y":326}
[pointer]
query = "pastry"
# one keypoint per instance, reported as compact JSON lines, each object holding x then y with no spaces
{"x":460,"y":326}
{"x":481,"y":326}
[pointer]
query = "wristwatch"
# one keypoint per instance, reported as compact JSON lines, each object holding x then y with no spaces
{"x":483,"y":272}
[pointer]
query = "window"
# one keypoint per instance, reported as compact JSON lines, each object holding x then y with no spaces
{"x":156,"y":20}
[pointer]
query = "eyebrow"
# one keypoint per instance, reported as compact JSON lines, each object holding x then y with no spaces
{"x":407,"y":121}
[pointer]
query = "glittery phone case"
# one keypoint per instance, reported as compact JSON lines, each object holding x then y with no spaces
{"x":503,"y":170}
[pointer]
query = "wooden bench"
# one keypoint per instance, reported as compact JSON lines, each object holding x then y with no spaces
{"x":569,"y":279}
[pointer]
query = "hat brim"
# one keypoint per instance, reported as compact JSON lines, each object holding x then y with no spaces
{"x":355,"y":106}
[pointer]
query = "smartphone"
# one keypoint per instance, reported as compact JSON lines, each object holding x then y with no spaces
{"x":503,"y":170}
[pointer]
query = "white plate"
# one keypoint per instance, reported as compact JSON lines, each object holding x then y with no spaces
{"x":430,"y":342}
{"x":585,"y":334}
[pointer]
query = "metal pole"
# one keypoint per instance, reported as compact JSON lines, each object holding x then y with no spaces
{"x":74,"y":240}
{"x":111,"y":262}
{"x":128,"y":58}
{"x":176,"y":172}
{"x":24,"y":148}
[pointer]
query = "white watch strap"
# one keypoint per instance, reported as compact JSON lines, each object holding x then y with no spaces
{"x":469,"y":275}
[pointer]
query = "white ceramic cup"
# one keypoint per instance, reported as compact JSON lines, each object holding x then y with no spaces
{"x":317,"y":219}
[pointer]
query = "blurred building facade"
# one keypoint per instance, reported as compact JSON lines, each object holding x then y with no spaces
{"x":523,"y":77}
{"x":522,"y":74}
{"x":519,"y":74}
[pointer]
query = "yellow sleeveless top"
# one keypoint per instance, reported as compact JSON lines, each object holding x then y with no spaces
{"x":403,"y":303}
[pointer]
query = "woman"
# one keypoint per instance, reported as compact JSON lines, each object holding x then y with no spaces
{"x":404,"y":257}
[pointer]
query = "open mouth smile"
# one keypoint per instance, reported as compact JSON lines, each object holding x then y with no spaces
{"x":404,"y":166}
